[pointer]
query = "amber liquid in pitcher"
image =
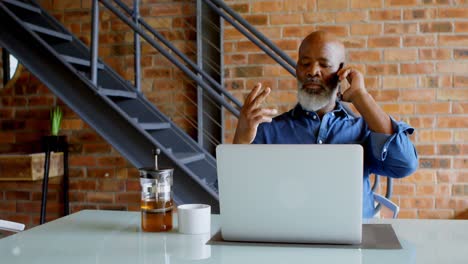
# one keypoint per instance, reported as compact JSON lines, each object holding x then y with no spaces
{"x":156,"y":216}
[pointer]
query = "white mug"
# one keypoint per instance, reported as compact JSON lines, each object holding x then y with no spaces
{"x":194,"y":218}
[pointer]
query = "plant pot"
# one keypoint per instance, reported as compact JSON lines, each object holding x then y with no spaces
{"x":54,"y":143}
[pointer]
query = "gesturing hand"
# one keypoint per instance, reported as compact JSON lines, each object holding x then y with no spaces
{"x":252,"y":114}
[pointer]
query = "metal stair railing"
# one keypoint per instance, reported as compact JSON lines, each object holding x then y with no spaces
{"x":112,"y":117}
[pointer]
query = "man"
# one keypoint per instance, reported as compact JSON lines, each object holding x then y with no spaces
{"x":319,"y":118}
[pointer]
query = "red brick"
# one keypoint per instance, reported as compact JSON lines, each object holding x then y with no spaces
{"x":257,"y":20}
{"x":404,"y":189}
{"x":457,"y":108}
{"x":439,"y":81}
{"x":82,"y":184}
{"x":460,"y":81}
{"x":451,"y":13}
{"x":110,"y":185}
{"x":461,"y":27}
{"x":417,"y":202}
{"x":340,"y":31}
{"x":96,"y":148}
{"x":433,"y":108}
{"x":322,"y":17}
{"x":366,"y":29}
{"x":425,"y":150}
{"x":7,"y":206}
{"x":412,"y":41}
{"x":298,"y":5}
{"x":400,"y":108}
{"x":128,"y":197}
{"x":435,"y":214}
{"x":66,"y":4}
{"x":382,"y":69}
{"x":246,"y":46}
{"x":400,"y":54}
{"x":434,"y":54}
{"x":366,"y":4}
{"x":452,"y":95}
{"x":425,"y":190}
{"x":332,"y":4}
{"x":460,"y":54}
{"x":453,"y":40}
{"x":82,"y":161}
{"x":399,"y":28}
{"x":461,"y":163}
{"x":385,"y":14}
{"x":418,"y":14}
{"x":51,"y":195}
{"x":417,"y":68}
{"x":100,"y":173}
{"x":450,"y":149}
{"x":452,"y":67}
{"x":111,"y":161}
{"x":365,"y":56}
{"x":434,"y":135}
{"x":385,"y":95}
{"x":267,"y":6}
{"x":390,"y":82}
{"x":381,"y":42}
{"x":352,"y":16}
{"x":285,"y":19}
{"x":460,"y":189}
{"x":99,"y":197}
{"x":407,"y":214}
{"x":17,"y":195}
{"x":29,"y":207}
{"x":436,"y":27}
{"x":240,"y":7}
{"x":418,"y":95}
{"x":352,"y":42}
{"x":422,"y":122}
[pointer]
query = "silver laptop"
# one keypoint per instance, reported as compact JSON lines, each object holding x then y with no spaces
{"x":291,"y":193}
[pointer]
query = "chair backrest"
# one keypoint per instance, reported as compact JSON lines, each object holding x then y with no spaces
{"x":384,"y":200}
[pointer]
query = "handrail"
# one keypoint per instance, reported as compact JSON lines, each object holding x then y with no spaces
{"x":180,"y":54}
{"x":289,"y":68}
{"x":166,"y":54}
{"x":255,"y":32}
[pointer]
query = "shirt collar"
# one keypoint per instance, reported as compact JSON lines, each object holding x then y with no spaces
{"x":339,"y":110}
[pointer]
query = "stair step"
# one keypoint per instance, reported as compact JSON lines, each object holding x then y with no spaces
{"x":23,"y":6}
{"x":80,"y":62}
{"x":48,"y":32}
{"x":188,"y":157}
{"x":117,"y":93}
{"x":155,"y":126}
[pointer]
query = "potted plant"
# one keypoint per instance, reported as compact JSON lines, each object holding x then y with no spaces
{"x":54,"y":141}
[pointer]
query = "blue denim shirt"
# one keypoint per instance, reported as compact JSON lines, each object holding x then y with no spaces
{"x":390,"y":155}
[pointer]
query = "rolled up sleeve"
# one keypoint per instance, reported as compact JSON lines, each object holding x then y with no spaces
{"x":393,"y":155}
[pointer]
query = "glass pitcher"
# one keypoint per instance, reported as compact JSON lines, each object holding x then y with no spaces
{"x":156,"y":199}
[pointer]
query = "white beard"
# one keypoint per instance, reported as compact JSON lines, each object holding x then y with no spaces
{"x":313,"y":102}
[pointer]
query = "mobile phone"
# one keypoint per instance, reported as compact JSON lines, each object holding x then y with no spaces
{"x":339,"y":94}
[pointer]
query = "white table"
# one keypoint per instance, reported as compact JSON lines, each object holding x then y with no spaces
{"x":115,"y":237}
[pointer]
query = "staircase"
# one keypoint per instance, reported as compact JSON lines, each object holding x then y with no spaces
{"x":113,"y":107}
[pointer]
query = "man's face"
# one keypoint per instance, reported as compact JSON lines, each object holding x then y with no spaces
{"x":317,"y":82}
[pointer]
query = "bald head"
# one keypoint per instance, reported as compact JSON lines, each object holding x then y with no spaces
{"x":320,"y":40}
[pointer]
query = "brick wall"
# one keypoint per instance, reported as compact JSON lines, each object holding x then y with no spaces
{"x":413,"y":56}
{"x":415,"y":59}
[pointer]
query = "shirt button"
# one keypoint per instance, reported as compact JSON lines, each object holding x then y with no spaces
{"x":320,"y":141}
{"x":332,"y":114}
{"x":384,"y":150}
{"x":307,"y":113}
{"x":314,"y":117}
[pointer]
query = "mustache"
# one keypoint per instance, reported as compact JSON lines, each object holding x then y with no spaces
{"x":315,"y":81}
